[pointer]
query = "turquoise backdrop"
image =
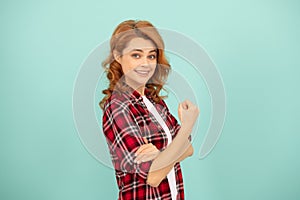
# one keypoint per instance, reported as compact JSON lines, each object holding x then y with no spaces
{"x":254,"y":44}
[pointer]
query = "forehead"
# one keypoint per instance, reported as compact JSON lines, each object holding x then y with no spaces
{"x":139,"y":43}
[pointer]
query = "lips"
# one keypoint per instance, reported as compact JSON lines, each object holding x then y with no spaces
{"x":142,"y":72}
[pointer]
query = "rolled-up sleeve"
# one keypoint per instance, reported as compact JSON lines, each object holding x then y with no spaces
{"x":124,"y":138}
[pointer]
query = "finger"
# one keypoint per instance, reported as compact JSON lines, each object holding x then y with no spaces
{"x":179,"y":112}
{"x":190,"y":104}
{"x":148,"y":150}
{"x":149,"y":157}
{"x":145,"y":140}
{"x":184,"y":105}
{"x":143,"y":147}
{"x":146,"y":157}
{"x":141,"y":158}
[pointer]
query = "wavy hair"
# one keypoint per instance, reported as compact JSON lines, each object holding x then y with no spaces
{"x":121,"y":36}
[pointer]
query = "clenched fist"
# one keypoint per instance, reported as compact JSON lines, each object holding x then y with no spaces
{"x":188,"y":113}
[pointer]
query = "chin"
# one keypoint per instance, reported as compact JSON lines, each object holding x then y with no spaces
{"x":137,"y":81}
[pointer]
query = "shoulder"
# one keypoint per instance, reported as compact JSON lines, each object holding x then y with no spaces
{"x":163,"y":103}
{"x":163,"y":106}
{"x":117,"y":101}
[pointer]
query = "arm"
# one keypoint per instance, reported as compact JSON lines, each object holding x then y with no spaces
{"x":124,"y":137}
{"x":164,"y":162}
{"x":189,"y":152}
{"x":155,"y":177}
{"x":148,"y":152}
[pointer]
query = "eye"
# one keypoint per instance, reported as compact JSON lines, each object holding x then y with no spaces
{"x":152,"y":57}
{"x":135,"y":55}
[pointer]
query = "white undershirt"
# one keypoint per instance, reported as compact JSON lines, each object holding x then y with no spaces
{"x":171,"y":174}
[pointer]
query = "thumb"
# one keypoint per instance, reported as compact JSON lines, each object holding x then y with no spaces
{"x":184,"y":105}
{"x":180,"y":112}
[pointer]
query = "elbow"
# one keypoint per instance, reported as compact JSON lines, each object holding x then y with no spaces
{"x":153,"y":181}
{"x":190,"y":150}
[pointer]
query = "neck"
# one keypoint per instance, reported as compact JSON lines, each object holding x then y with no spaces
{"x":140,"y":88}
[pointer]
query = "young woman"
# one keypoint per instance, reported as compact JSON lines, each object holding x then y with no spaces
{"x":145,"y":140}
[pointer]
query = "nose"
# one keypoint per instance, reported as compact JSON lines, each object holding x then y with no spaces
{"x":145,"y":61}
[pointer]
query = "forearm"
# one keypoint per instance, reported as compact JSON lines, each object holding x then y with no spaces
{"x":178,"y":150}
{"x":174,"y":151}
{"x":187,"y":153}
{"x":155,"y":177}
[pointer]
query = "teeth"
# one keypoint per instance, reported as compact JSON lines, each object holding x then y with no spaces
{"x":142,"y":72}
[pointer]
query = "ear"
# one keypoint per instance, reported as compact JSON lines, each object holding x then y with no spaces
{"x":116,"y":56}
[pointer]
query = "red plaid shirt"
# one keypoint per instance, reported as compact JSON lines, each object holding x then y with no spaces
{"x":126,"y":120}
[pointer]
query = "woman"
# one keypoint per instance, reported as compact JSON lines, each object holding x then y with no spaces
{"x":146,"y":142}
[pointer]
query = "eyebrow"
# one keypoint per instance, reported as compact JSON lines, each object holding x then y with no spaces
{"x":140,"y":50}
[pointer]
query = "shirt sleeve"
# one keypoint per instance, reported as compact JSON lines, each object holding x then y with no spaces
{"x":124,"y":138}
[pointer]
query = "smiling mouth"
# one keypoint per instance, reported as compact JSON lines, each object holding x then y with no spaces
{"x":142,"y":72}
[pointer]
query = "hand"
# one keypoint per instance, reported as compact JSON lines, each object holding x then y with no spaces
{"x":188,"y":113}
{"x":146,"y":152}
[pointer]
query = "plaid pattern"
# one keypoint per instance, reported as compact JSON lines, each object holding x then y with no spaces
{"x":126,"y":120}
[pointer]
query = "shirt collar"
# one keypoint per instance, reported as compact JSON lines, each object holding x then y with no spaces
{"x":135,"y":95}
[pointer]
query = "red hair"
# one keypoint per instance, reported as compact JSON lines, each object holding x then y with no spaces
{"x":121,"y":36}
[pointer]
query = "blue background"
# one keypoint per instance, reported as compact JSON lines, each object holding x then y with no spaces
{"x":254,"y":44}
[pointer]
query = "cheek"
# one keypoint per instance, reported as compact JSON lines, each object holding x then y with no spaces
{"x":154,"y":65}
{"x":128,"y":65}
